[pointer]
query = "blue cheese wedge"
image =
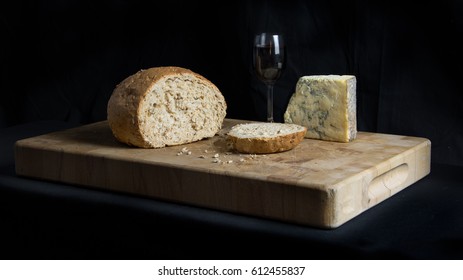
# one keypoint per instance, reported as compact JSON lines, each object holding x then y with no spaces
{"x":326,"y":105}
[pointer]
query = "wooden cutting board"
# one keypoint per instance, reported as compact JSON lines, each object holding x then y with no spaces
{"x":319,"y":183}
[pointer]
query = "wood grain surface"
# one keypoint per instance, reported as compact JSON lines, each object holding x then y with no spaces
{"x":318,"y":183}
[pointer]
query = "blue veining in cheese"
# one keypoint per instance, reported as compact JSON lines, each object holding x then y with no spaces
{"x":326,"y":105}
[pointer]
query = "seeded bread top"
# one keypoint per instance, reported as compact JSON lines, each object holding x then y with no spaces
{"x":264,"y":130}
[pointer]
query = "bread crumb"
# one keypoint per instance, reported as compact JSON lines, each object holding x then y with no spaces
{"x":184,"y":151}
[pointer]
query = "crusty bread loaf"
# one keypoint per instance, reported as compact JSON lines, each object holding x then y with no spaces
{"x":165,"y":106}
{"x":264,"y":138}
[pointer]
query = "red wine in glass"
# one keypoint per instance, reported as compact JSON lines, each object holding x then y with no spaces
{"x":268,"y":61}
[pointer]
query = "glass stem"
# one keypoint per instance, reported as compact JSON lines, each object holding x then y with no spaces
{"x":270,"y":103}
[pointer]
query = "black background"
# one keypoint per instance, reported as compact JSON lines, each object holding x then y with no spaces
{"x":61,"y":59}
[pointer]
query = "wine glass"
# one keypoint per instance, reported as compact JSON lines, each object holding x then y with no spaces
{"x":268,"y":62}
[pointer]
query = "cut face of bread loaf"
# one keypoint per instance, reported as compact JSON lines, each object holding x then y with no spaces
{"x":165,"y":106}
{"x":264,"y":138}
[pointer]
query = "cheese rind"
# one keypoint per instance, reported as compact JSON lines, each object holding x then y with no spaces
{"x":326,"y":105}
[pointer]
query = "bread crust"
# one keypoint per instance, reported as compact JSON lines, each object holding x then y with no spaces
{"x":267,"y":145}
{"x":124,"y":110}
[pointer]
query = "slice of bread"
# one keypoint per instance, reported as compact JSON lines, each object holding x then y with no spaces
{"x":265,"y":138}
{"x":165,"y":106}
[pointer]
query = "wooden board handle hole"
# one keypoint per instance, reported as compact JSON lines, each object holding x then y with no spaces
{"x":384,"y":185}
